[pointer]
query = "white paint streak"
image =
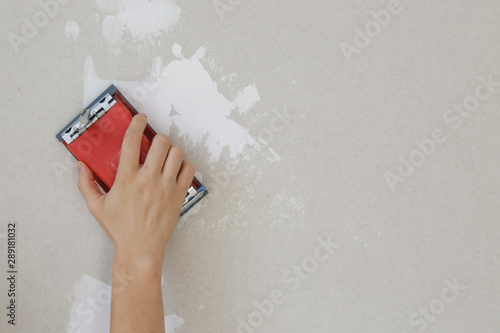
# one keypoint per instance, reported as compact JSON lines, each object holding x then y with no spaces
{"x":172,"y":322}
{"x":246,"y":98}
{"x":183,"y":95}
{"x":112,"y":29}
{"x":72,"y":29}
{"x":143,"y":19}
{"x":177,"y":51}
{"x":277,"y":157}
{"x":284,"y":205}
{"x":90,"y":312}
{"x":228,"y":78}
{"x":86,"y":317}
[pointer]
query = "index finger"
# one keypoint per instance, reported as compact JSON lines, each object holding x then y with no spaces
{"x":131,"y":146}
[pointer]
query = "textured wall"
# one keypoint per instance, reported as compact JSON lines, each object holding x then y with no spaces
{"x":351,"y":149}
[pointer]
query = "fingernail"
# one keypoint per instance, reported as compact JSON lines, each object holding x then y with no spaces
{"x":142,"y":114}
{"x":79,"y":166}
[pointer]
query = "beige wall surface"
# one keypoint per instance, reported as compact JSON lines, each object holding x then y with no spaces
{"x":351,"y":149}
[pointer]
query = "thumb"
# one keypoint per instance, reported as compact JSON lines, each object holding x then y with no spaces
{"x":89,"y":189}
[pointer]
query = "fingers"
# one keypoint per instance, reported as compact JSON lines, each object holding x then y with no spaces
{"x":131,"y":146}
{"x":173,"y":163}
{"x":89,"y":189}
{"x":186,"y":174}
{"x":157,"y":154}
{"x":162,"y":156}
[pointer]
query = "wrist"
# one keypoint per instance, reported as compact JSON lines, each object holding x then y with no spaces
{"x":136,"y":267}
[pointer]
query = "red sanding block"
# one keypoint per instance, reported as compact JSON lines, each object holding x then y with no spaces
{"x":95,"y":137}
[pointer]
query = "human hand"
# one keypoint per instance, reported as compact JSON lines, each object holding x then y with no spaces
{"x":141,"y":210}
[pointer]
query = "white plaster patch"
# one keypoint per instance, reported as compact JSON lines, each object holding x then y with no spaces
{"x":143,"y":19}
{"x":172,"y":322}
{"x":112,"y":29}
{"x":91,"y":309}
{"x":182,"y":94}
{"x":72,"y":29}
{"x":246,"y":98}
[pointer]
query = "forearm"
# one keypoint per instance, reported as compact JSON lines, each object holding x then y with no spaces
{"x":136,"y":303}
{"x":139,"y":215}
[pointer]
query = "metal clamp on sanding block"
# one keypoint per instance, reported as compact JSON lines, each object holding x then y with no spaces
{"x":88,"y":117}
{"x":96,"y":134}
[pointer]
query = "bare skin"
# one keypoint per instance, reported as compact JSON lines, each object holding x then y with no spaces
{"x":139,"y":215}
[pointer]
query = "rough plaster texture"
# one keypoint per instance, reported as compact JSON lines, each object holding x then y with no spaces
{"x":352,"y":121}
